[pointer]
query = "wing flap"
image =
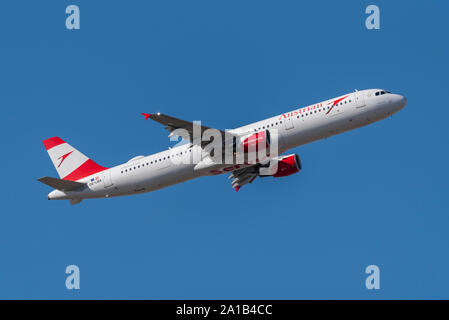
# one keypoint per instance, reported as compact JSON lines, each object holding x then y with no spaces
{"x":243,"y":176}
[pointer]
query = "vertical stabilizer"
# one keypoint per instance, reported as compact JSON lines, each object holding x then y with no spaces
{"x":69,"y":162}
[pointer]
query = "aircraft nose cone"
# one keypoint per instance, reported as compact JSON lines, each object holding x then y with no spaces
{"x":402,"y":101}
{"x":399,"y":102}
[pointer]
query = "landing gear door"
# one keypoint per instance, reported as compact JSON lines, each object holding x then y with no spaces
{"x":107,"y":179}
{"x":359,"y":99}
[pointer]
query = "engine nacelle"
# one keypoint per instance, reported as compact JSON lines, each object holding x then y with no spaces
{"x":256,"y":142}
{"x":286,"y":165}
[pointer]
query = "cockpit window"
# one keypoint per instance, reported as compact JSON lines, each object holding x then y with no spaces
{"x":377,"y":93}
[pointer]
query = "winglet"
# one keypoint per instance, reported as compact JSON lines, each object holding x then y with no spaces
{"x":146,"y":115}
{"x":237,"y":189}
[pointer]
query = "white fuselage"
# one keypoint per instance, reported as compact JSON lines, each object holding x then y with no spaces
{"x":295,"y":128}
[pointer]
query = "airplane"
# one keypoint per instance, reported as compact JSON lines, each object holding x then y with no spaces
{"x":81,"y":178}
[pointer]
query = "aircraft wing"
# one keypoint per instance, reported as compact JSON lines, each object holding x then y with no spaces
{"x":172,"y":123}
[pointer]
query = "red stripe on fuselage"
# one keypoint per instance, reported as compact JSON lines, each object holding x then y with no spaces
{"x":52,"y":142}
{"x":86,"y":169}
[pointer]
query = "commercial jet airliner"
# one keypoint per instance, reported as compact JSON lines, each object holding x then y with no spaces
{"x":82,"y":178}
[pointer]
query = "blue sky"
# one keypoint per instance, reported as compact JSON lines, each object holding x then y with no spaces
{"x":376,"y":195}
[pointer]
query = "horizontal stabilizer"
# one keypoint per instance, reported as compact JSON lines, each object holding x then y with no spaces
{"x":63,"y":185}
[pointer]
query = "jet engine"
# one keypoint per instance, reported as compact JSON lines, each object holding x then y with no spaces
{"x":286,"y":165}
{"x":256,"y":142}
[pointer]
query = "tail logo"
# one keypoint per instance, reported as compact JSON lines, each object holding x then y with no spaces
{"x":64,"y":157}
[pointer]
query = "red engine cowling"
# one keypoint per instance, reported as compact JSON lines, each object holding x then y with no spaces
{"x":288,"y":165}
{"x":255,"y":142}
